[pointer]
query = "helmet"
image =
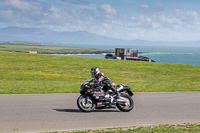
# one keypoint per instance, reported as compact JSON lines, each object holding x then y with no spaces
{"x":94,"y":71}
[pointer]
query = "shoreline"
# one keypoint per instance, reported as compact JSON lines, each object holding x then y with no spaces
{"x":92,"y":52}
{"x":72,"y":52}
{"x":84,"y":52}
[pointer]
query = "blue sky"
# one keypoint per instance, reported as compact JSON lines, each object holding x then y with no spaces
{"x":154,"y":20}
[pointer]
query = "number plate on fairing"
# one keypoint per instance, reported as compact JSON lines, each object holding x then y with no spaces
{"x":98,"y":93}
{"x":99,"y":103}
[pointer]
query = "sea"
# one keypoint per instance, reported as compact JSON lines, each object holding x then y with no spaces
{"x":165,"y":54}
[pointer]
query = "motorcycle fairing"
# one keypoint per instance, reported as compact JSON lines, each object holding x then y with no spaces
{"x":101,"y":99}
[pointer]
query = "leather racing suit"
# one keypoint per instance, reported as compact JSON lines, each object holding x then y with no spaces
{"x":107,"y":84}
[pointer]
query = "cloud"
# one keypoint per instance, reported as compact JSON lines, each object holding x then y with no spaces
{"x":187,"y":16}
{"x":146,"y":9}
{"x":76,"y":2}
{"x":152,"y":23}
{"x":108,"y":9}
{"x":18,"y":4}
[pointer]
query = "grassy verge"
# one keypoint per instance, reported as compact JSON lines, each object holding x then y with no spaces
{"x":35,"y":73}
{"x":180,"y":128}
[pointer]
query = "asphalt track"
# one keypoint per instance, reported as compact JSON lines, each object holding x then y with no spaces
{"x":58,"y":112}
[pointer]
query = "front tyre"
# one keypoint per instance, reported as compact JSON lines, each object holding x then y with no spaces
{"x":127,"y":105}
{"x":85,"y":104}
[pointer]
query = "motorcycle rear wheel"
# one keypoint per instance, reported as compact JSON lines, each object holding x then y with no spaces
{"x":85,"y":106}
{"x":128,"y":105}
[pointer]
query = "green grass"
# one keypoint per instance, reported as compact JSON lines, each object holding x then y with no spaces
{"x":34,"y":73}
{"x":40,"y":48}
{"x":180,"y":128}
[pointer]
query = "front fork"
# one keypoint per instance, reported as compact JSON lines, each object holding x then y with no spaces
{"x":87,"y":99}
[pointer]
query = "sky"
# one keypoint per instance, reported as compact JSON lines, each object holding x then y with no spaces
{"x":153,"y":20}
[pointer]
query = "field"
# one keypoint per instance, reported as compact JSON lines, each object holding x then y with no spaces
{"x":35,"y":73}
{"x":41,"y":48}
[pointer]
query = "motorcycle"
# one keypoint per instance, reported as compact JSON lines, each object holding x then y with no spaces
{"x":93,"y":97}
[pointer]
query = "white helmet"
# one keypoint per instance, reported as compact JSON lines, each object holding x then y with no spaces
{"x":94,"y":71}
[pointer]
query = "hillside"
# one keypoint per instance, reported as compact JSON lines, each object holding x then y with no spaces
{"x":46,"y":37}
{"x":35,"y":73}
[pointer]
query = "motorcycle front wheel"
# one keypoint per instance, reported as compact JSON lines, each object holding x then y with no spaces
{"x":127,"y":105}
{"x":85,"y":104}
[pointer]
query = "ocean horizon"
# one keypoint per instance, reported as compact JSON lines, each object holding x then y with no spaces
{"x":164,"y":54}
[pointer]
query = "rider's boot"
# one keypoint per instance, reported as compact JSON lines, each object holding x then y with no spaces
{"x":119,"y":98}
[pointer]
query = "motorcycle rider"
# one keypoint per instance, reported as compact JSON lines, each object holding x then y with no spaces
{"x":101,"y":79}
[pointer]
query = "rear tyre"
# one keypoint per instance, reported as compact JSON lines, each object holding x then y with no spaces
{"x":127,"y":105}
{"x":84,"y":104}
